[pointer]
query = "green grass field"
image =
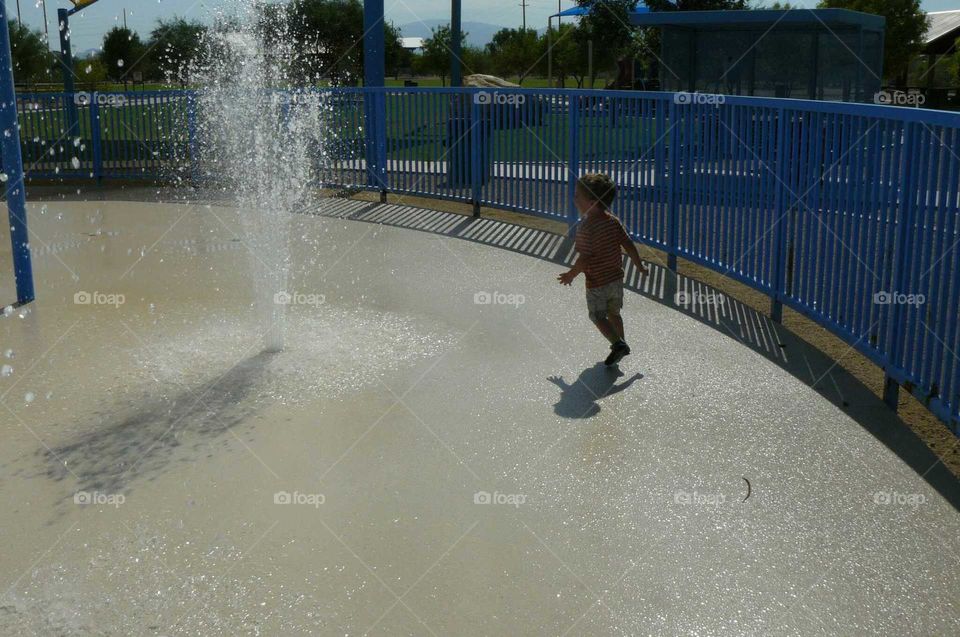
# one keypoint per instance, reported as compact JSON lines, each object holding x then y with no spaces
{"x":530,"y":82}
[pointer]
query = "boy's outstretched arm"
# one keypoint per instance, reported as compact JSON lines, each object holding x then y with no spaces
{"x":567,"y":277}
{"x":631,"y":249}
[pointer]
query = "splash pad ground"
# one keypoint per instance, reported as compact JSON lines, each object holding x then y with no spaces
{"x":436,"y":452}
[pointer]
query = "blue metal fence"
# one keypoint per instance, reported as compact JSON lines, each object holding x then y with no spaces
{"x":846,"y":213}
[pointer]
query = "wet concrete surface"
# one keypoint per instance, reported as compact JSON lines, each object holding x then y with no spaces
{"x":436,"y":452}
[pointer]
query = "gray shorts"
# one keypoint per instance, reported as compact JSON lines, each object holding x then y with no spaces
{"x":605,"y":300}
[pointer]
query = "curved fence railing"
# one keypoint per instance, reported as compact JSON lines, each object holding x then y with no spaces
{"x":846,"y":213}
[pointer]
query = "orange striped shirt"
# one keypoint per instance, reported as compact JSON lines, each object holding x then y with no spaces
{"x":599,"y":242}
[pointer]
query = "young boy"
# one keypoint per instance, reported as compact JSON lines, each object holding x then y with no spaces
{"x":600,"y":238}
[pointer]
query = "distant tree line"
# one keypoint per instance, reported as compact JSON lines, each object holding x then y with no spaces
{"x":328,"y":36}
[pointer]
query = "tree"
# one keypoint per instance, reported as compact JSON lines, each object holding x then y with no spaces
{"x":90,"y":71}
{"x":328,"y":35}
{"x":607,"y":25}
{"x":569,"y":57}
{"x":476,"y":59}
{"x":329,"y":40}
{"x":175,"y":48}
{"x":514,"y":52}
{"x":395,"y":56}
{"x":906,"y":26}
{"x":122,"y":54}
{"x":436,"y":52}
{"x":32,"y":60}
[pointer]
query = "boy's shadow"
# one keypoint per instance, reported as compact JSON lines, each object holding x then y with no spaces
{"x":579,"y":398}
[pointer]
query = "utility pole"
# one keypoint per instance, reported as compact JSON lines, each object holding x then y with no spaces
{"x":124,"y":18}
{"x":46,"y":29}
{"x":19,"y":21}
{"x":523,"y":3}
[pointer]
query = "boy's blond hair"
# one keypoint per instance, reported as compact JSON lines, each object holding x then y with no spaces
{"x":598,"y":187}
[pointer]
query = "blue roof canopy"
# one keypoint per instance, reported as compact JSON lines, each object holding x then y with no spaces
{"x":582,"y":11}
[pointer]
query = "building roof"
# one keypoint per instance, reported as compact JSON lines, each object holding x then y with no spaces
{"x":942,"y":24}
{"x":760,"y":18}
{"x":411,"y":43}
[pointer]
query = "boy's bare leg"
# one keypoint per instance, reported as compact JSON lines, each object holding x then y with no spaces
{"x":617,"y":322}
{"x":607,"y":329}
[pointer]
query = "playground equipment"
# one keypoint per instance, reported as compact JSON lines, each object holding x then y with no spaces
{"x":66,"y":56}
{"x":816,"y":54}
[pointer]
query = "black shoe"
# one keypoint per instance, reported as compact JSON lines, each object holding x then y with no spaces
{"x":617,"y":351}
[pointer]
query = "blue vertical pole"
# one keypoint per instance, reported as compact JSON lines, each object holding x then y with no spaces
{"x":66,"y":65}
{"x":673,"y":182}
{"x":900,"y":265}
{"x":95,"y":137}
{"x":573,"y":170}
{"x":476,"y":155}
{"x":13,"y":167}
{"x":192,"y":133}
{"x":455,"y":35}
{"x":780,"y":220}
{"x":374,"y":99}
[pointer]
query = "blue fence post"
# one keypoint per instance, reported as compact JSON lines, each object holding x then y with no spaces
{"x":13,"y":167}
{"x":381,"y":142}
{"x":900,"y":262}
{"x":673,"y":212}
{"x":781,"y":221}
{"x":373,"y":95}
{"x":476,"y":156}
{"x":95,"y":137}
{"x":192,"y":134}
{"x":573,"y":169}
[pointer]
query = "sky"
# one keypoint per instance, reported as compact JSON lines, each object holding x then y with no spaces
{"x":88,"y":27}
